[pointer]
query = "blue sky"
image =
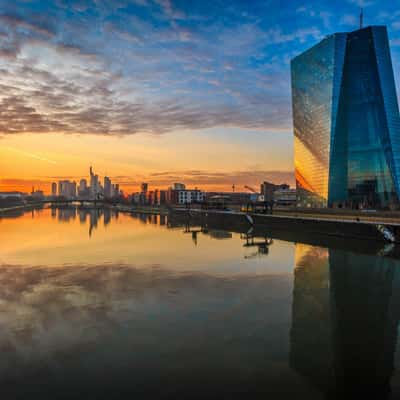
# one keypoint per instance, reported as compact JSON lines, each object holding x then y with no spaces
{"x":158,"y":67}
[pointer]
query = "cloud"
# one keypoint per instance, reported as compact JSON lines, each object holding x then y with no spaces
{"x":212,"y":178}
{"x":74,"y":104}
{"x":124,"y":67}
{"x":37,"y":23}
{"x":23,"y":185}
{"x":63,"y":75}
{"x":169,"y":10}
{"x":349,"y":19}
{"x":30,"y":155}
{"x":395,"y":42}
{"x":362,"y":3}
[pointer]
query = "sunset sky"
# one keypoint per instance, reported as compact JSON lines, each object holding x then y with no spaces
{"x":159,"y":90}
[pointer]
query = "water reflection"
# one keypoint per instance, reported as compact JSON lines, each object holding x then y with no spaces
{"x":93,"y":214}
{"x":174,"y":310}
{"x":118,"y":329}
{"x":346,"y":311}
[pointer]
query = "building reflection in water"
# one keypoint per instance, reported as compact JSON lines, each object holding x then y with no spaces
{"x":107,"y":216}
{"x":346,"y":308}
{"x":65,"y":214}
{"x":162,"y":220}
{"x":213,"y":322}
{"x":93,"y":214}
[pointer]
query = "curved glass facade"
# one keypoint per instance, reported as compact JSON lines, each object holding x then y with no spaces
{"x":346,"y":122}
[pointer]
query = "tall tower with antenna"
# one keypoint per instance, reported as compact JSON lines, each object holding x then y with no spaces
{"x":361,"y":17}
{"x":345,"y":86}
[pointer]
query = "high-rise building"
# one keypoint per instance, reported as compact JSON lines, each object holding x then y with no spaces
{"x":346,"y":122}
{"x":83,"y":190}
{"x":95,"y":187}
{"x":82,"y":185}
{"x":107,"y":188}
{"x":54,"y":189}
{"x":144,"y":187}
{"x":67,"y":189}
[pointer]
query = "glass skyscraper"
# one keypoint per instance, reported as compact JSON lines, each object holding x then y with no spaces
{"x":346,"y":122}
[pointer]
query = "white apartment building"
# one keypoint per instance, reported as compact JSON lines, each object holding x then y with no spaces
{"x":190,"y":196}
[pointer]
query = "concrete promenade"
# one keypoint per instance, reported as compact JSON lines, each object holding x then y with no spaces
{"x":375,"y":227}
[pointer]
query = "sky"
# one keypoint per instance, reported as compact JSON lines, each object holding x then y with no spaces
{"x":159,"y":90}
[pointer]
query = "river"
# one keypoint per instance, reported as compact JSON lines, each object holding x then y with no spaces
{"x":98,"y":304}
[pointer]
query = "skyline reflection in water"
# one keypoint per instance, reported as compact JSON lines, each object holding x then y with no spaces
{"x":144,"y":306}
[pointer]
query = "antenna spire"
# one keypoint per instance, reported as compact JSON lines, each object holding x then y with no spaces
{"x":361,"y":17}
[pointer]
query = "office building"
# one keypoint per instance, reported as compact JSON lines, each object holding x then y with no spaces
{"x":108,"y":192}
{"x":54,"y":189}
{"x":144,"y":187}
{"x":67,"y":189}
{"x":346,"y":122}
{"x":82,"y":185}
{"x":83,"y":189}
{"x":95,"y":188}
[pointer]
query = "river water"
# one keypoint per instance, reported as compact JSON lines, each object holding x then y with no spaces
{"x":96,"y":304}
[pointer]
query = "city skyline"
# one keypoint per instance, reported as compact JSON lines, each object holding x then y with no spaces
{"x":158,"y":91}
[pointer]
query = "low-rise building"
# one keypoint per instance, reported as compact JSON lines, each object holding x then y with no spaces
{"x":7,"y":195}
{"x":11,"y":199}
{"x":179,"y":186}
{"x":285,"y":197}
{"x":267,"y":190}
{"x":185,"y":196}
{"x":37,"y":195}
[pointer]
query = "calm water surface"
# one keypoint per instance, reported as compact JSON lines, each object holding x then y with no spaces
{"x":98,"y":305}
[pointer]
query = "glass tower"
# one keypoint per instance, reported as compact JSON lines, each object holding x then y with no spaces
{"x":346,"y":122}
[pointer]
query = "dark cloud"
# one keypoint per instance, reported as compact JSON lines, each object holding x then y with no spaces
{"x":108,"y":116}
{"x":36,"y":23}
{"x":17,"y":116}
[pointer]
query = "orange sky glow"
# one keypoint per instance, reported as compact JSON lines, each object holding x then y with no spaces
{"x":198,"y":159}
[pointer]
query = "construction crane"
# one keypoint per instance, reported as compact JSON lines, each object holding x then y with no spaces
{"x":250,"y":188}
{"x":256,"y":196}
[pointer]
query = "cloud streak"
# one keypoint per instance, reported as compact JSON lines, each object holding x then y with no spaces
{"x":210,"y":180}
{"x":31,"y":155}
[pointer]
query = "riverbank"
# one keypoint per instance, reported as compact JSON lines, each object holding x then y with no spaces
{"x":369,"y":228}
{"x":141,"y":210}
{"x":372,"y":226}
{"x":23,"y":207}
